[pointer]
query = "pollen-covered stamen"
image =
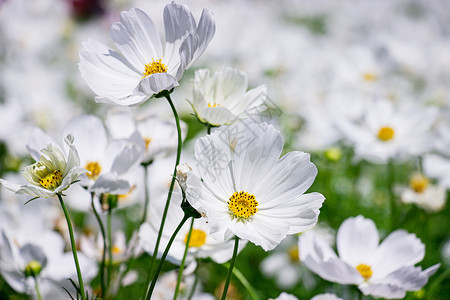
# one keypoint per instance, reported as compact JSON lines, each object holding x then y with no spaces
{"x":198,"y":238}
{"x":365,"y":271}
{"x":147,"y":141}
{"x":95,"y":168}
{"x":418,"y":183}
{"x":213,"y":105}
{"x":386,"y":134}
{"x":156,"y":66}
{"x":242,"y":204}
{"x":52,"y":180}
{"x":369,"y":76}
{"x":293,"y":253}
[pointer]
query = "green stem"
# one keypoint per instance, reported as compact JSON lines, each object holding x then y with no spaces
{"x":390,"y":185}
{"x":147,"y":195}
{"x":172,"y":184}
{"x":102,"y":230}
{"x":192,"y":292}
{"x":246,"y":284}
{"x":74,"y":247}
{"x":36,"y":285}
{"x":230,"y":269}
{"x":110,"y":257}
{"x":163,"y":257}
{"x":180,"y":272}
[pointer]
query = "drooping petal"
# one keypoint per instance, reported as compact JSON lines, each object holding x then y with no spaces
{"x":357,"y":240}
{"x":155,"y":83}
{"x":111,"y":184}
{"x":387,"y":291}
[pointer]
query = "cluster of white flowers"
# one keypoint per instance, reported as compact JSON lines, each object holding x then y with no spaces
{"x":203,"y":182}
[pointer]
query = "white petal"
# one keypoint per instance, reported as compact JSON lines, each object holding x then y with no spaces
{"x":155,"y":83}
{"x":387,"y":291}
{"x":89,"y":137}
{"x":110,"y":183}
{"x":106,"y":72}
{"x":399,"y":249}
{"x":37,"y":141}
{"x":136,"y":38}
{"x":178,"y":23}
{"x":217,"y":116}
{"x":356,"y":240}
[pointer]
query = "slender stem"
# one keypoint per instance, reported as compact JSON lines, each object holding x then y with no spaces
{"x":147,"y":195}
{"x":36,"y":285}
{"x":246,"y":284}
{"x":74,"y":247}
{"x":180,"y":272}
{"x":110,"y":257}
{"x":191,"y":293}
{"x":163,"y":257}
{"x":230,"y":269}
{"x":172,"y":184}
{"x":390,"y":186}
{"x":208,"y":128}
{"x":102,"y":230}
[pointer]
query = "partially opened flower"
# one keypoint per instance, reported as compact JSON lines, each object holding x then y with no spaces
{"x":141,"y":68}
{"x":382,"y":270}
{"x":52,"y":174}
{"x":222,"y":97}
{"x":248,"y":190}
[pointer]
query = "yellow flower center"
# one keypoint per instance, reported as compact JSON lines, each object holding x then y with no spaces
{"x":365,"y":271}
{"x":198,"y":238}
{"x":369,"y":76}
{"x":386,"y":134}
{"x":156,"y":66}
{"x":147,"y":141}
{"x":95,"y":168}
{"x":294,"y":254}
{"x":213,"y":105}
{"x":116,"y":250}
{"x":52,"y":180}
{"x":242,"y":204}
{"x":418,"y":183}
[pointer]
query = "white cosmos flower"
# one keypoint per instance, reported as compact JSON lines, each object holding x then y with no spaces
{"x":429,"y":196}
{"x":382,"y":270}
{"x":222,"y":97}
{"x":388,"y":130}
{"x":248,"y":190}
{"x":108,"y":161}
{"x":52,"y":174}
{"x":201,"y":244}
{"x":141,"y":68}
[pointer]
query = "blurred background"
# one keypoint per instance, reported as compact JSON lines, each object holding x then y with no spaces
{"x":321,"y":61}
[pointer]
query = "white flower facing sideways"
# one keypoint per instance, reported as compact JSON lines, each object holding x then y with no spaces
{"x":52,"y":174}
{"x":382,"y":270}
{"x":141,"y":68}
{"x":248,"y":190}
{"x":222,"y":97}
